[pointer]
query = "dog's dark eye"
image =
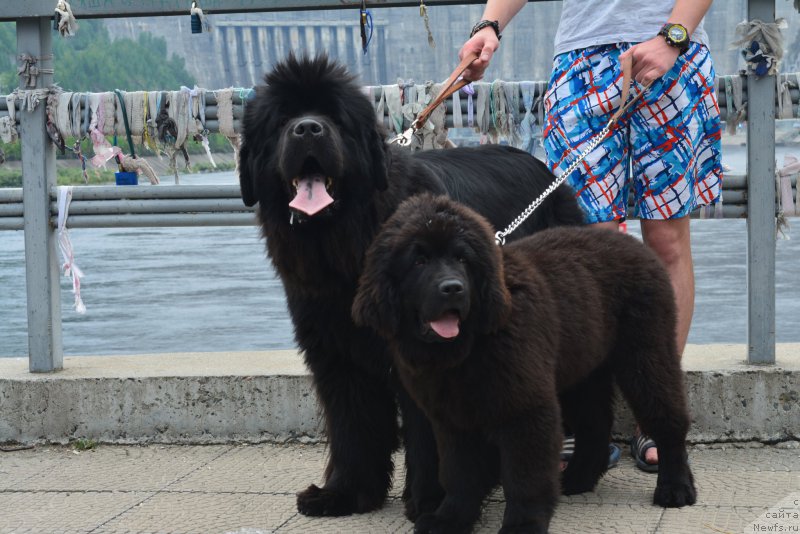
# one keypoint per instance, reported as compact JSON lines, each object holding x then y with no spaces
{"x":460,"y":258}
{"x":420,"y":260}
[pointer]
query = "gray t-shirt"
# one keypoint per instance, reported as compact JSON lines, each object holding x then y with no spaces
{"x":586,"y":23}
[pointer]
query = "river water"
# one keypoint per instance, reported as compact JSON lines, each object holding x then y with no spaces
{"x":151,"y":290}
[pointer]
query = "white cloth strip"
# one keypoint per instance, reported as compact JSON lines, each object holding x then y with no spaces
{"x":8,"y":130}
{"x":458,"y":120}
{"x":71,"y":269}
{"x":62,"y":115}
{"x":225,"y":112}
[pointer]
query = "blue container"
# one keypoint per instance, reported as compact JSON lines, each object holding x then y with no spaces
{"x":126,"y":178}
{"x":197,"y":24}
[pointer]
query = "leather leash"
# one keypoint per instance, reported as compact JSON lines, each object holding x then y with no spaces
{"x":449,"y":86}
{"x":453,"y":84}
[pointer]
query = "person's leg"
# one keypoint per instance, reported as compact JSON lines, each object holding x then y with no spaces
{"x":675,"y":147}
{"x":610,"y":225}
{"x":670,"y":240}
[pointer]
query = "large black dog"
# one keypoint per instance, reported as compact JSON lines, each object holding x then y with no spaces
{"x":496,"y":344}
{"x":315,"y":159}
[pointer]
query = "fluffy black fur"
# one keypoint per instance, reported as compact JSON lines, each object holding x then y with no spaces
{"x":311,"y":118}
{"x":545,"y":326}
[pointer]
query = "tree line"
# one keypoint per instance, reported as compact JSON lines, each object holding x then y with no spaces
{"x":92,"y":61}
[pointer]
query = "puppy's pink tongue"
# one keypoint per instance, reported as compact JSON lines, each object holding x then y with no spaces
{"x":311,"y":195}
{"x":446,"y":325}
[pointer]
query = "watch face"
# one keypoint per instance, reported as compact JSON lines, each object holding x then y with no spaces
{"x":677,"y":34}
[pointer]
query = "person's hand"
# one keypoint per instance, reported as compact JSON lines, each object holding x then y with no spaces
{"x":484,"y":43}
{"x":651,"y":59}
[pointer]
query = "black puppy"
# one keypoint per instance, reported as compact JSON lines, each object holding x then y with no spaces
{"x":316,"y":161}
{"x":496,"y":344}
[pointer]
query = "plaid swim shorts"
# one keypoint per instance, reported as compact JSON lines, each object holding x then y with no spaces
{"x":667,"y":146}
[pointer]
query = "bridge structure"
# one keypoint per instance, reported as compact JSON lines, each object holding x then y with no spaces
{"x":36,"y":199}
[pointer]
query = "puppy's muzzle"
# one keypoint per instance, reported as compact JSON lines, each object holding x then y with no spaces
{"x":451,"y":287}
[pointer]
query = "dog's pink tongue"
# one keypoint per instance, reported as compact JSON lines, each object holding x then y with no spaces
{"x":311,"y":195}
{"x":446,"y":325}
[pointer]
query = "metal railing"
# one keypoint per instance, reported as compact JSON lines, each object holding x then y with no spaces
{"x":110,"y":206}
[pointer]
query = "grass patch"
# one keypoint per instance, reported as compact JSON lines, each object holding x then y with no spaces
{"x":84,"y":444}
{"x":205,"y":166}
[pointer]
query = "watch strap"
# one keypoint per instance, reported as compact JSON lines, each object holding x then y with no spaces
{"x":494,"y":24}
{"x":681,"y":45}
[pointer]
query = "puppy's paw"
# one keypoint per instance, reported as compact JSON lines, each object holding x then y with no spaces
{"x":675,"y":494}
{"x":434,"y":524}
{"x":316,"y":501}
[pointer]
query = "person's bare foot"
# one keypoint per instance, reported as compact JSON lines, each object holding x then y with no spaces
{"x":644,"y":452}
{"x":651,"y":454}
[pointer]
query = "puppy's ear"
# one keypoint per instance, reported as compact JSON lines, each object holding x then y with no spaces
{"x":376,"y":304}
{"x":246,"y":179}
{"x":495,"y":305}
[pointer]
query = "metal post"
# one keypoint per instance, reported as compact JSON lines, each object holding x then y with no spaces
{"x":45,"y":350}
{"x":761,"y":205}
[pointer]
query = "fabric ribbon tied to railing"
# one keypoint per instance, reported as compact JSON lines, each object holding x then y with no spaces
{"x":761,"y":45}
{"x":70,"y":268}
{"x":30,"y":69}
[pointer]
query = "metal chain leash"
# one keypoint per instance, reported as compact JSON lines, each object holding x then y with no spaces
{"x":500,"y":237}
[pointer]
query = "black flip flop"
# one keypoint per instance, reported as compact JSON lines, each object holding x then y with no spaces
{"x":639,"y":446}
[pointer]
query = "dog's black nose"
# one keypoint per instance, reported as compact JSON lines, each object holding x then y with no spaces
{"x":451,"y":286}
{"x":307,"y":128}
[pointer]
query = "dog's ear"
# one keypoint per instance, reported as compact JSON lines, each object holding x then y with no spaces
{"x":246,"y":178}
{"x":379,"y":157}
{"x":376,"y":304}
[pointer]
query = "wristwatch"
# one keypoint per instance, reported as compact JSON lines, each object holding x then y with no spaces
{"x":676,"y":35}
{"x":495,"y":25}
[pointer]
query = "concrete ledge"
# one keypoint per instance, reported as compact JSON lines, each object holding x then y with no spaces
{"x":263,"y":396}
{"x":730,"y":400}
{"x":170,"y":398}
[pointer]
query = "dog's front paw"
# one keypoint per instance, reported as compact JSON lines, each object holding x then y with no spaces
{"x":675,"y":494}
{"x":316,"y":501}
{"x":434,"y":524}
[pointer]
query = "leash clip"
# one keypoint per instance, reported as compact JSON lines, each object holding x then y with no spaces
{"x":405,"y":139}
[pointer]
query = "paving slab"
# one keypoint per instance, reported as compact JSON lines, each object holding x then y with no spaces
{"x":250,"y":489}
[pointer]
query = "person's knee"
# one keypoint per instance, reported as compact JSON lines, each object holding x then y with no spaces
{"x":669,"y":239}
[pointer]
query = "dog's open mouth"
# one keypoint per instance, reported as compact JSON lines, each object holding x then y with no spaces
{"x":311,"y":193}
{"x":447,"y":325}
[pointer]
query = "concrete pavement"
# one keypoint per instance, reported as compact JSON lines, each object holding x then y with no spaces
{"x":220,"y":443}
{"x":250,"y":489}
